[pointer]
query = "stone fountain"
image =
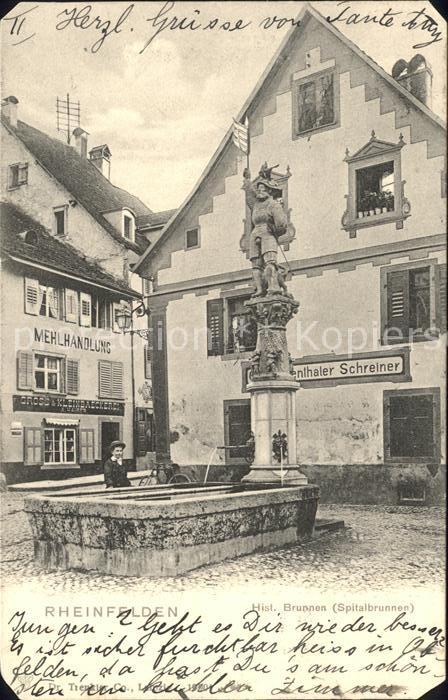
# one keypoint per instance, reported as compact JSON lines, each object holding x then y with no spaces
{"x":167,"y":530}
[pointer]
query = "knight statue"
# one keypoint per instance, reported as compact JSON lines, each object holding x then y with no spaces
{"x":269,"y":221}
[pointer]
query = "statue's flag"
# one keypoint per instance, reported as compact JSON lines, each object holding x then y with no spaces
{"x":241,"y":136}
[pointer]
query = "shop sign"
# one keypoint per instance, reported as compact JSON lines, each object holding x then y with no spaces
{"x":381,"y":366}
{"x":71,"y":340}
{"x":16,"y":428}
{"x":62,"y":404}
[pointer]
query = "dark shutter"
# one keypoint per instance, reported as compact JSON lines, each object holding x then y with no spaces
{"x":141,"y":425}
{"x":215,"y":327}
{"x":147,"y":360}
{"x":441,"y":297}
{"x":397,"y":322}
{"x":411,"y":426}
{"x":25,"y":378}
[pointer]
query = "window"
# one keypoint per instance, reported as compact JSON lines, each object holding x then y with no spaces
{"x":230,"y":328}
{"x":59,"y":446}
{"x":241,"y":326}
{"x":127,"y":227}
{"x":413,"y":302}
{"x":314,"y":103}
{"x":18,"y":175}
{"x":60,"y":221}
{"x":71,"y":305}
{"x":192,"y":238}
{"x":412,"y":425}
{"x":375,"y":188}
{"x":47,"y":373}
{"x":100,"y":312}
{"x":50,"y":302}
{"x":237,"y":429}
{"x":110,"y":379}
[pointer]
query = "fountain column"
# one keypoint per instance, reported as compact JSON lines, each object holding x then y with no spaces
{"x":273,"y":387}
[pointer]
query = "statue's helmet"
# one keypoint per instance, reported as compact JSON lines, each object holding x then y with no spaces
{"x":270,"y":185}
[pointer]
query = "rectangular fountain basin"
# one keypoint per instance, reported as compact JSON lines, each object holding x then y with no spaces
{"x":166,"y":530}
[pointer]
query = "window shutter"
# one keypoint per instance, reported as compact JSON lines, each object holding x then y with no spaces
{"x":398,"y":305}
{"x":87,"y":446}
{"x":110,"y":375}
{"x":215,"y":327}
{"x":147,"y":360}
{"x":72,"y":377}
{"x":85,"y":307}
{"x":25,"y":369}
{"x":32,"y":446}
{"x":32,"y":296}
{"x":71,"y":306}
{"x":117,"y":380}
{"x":441,"y":297}
{"x":104,"y":378}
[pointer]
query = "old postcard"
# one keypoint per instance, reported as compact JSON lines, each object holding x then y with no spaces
{"x":223,"y":304}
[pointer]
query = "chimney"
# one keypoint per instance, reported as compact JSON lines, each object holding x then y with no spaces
{"x":81,"y":137}
{"x":415,"y":76}
{"x":9,"y":109}
{"x":100,"y":157}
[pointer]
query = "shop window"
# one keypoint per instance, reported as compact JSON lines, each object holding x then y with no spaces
{"x":230,"y":327}
{"x":375,"y":188}
{"x":18,"y":175}
{"x":413,"y":302}
{"x":237,"y":429}
{"x":192,"y":238}
{"x":48,"y":373}
{"x":60,"y":221}
{"x":315,"y":103}
{"x":412,"y":425}
{"x":110,"y":379}
{"x":59,"y":446}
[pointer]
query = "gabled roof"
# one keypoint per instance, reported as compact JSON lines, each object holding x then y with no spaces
{"x":48,"y":252}
{"x":280,"y":56}
{"x":82,"y":179}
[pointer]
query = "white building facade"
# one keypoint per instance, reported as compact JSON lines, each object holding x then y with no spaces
{"x":361,"y":163}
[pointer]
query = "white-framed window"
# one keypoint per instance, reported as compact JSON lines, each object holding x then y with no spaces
{"x":375,"y":188}
{"x":60,"y":220}
{"x":48,"y":371}
{"x":18,"y":175}
{"x":60,"y":446}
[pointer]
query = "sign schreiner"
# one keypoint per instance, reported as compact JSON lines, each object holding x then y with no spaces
{"x":360,"y":367}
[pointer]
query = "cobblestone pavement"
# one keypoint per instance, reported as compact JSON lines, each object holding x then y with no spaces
{"x":382,"y":546}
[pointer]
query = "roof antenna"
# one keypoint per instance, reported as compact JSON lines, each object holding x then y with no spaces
{"x":68,"y":115}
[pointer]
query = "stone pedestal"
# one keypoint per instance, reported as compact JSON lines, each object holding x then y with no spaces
{"x":273,"y":387}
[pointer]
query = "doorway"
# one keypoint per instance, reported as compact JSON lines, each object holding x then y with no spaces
{"x":110,"y":431}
